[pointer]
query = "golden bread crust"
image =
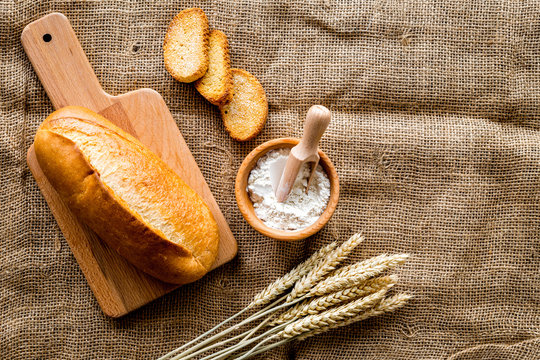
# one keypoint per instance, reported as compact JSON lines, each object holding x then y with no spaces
{"x":185,"y":48}
{"x":127,"y":195}
{"x":216,"y":84}
{"x":245,"y":114}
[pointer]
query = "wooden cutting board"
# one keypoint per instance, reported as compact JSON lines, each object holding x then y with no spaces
{"x":68,"y":78}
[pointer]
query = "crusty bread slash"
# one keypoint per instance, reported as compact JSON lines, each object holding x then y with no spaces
{"x":216,"y":84}
{"x":185,"y":49}
{"x":245,"y":114}
{"x":124,"y":192}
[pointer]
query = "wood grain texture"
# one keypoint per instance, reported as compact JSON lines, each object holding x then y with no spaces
{"x":68,"y":79}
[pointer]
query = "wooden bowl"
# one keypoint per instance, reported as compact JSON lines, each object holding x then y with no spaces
{"x":246,"y":206}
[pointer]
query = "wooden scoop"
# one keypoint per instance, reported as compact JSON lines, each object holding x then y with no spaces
{"x":317,"y":120}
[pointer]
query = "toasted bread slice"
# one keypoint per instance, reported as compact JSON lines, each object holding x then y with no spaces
{"x":185,"y":49}
{"x":245,"y":114}
{"x":216,"y":84}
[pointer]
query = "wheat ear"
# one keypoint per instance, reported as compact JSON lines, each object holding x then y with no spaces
{"x":320,"y":304}
{"x":355,"y":274}
{"x":386,"y":305}
{"x":332,"y":316}
{"x":263,"y":298}
{"x":337,"y":256}
{"x":279,"y":286}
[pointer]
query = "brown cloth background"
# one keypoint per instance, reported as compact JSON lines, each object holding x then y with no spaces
{"x":435,"y":136}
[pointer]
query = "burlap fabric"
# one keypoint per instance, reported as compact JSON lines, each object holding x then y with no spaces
{"x":434,"y":135}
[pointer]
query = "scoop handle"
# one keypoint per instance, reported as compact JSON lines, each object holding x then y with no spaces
{"x":317,"y":120}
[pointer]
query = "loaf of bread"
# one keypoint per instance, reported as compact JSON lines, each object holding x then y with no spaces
{"x":124,"y":192}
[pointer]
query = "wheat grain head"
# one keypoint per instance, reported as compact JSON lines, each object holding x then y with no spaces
{"x":386,"y":305}
{"x":355,"y":274}
{"x":317,"y":273}
{"x":279,"y":286}
{"x":331,"y":317}
{"x":320,"y":304}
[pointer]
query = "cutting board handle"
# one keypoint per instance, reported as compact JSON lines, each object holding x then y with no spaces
{"x":61,"y":64}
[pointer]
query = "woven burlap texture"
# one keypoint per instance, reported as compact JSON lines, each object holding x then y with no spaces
{"x":436,"y":113}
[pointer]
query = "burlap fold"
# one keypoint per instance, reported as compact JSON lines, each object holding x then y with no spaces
{"x":434,"y":135}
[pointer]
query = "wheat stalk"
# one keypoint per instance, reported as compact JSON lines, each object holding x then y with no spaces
{"x":345,"y":296}
{"x":263,"y":298}
{"x":386,"y":305}
{"x":355,"y":274}
{"x":282,"y":284}
{"x":320,"y":304}
{"x":337,"y":256}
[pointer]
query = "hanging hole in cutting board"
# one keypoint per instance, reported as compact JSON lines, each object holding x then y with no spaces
{"x":47,"y":37}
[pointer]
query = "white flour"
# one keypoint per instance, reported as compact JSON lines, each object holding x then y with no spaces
{"x":300,"y":210}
